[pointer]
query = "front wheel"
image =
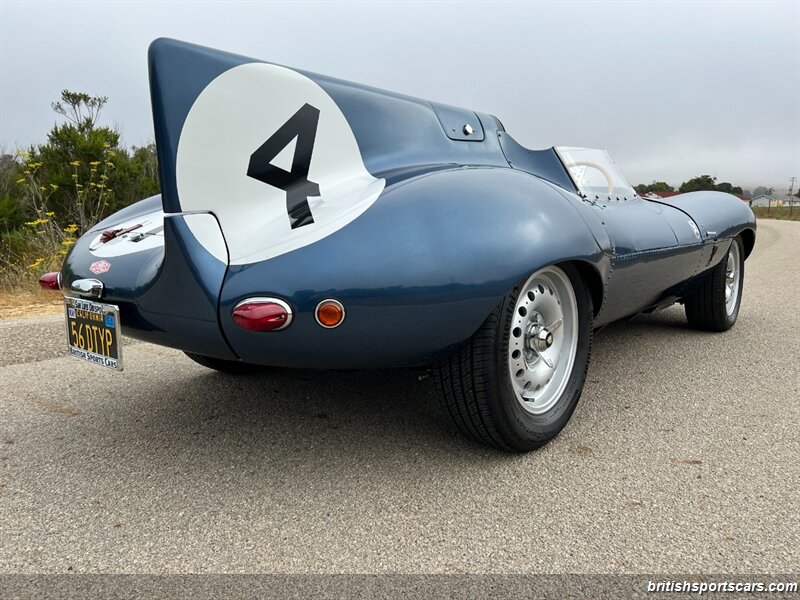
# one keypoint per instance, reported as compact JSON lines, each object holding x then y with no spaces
{"x":516,"y":382}
{"x":714,"y":305}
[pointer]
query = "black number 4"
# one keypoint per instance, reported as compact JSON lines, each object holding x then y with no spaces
{"x":303,"y":125}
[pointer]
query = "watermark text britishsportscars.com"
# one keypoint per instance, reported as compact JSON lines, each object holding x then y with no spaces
{"x":716,"y":587}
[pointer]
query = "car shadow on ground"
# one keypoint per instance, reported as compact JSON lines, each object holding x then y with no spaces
{"x":365,"y":413}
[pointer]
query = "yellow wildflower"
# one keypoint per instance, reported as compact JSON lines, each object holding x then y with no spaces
{"x":76,"y":163}
{"x":110,"y":164}
{"x":54,"y":186}
{"x":50,"y":214}
{"x":21,"y":180}
{"x":94,"y":163}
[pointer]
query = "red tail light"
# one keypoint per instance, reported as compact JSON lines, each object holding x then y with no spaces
{"x":50,"y":281}
{"x":262,"y":314}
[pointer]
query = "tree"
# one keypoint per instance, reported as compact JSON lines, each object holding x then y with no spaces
{"x":703,"y":182}
{"x":52,"y":193}
{"x":762,"y":191}
{"x":661,"y":186}
{"x":87,"y":172}
{"x":80,"y":109}
{"x":729,"y":188}
{"x":80,"y":161}
{"x":655,"y":186}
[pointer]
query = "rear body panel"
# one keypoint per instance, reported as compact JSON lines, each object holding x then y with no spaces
{"x":167,"y":294}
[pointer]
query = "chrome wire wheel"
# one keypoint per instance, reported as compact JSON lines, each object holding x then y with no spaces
{"x":543,"y":339}
{"x":732,"y":275}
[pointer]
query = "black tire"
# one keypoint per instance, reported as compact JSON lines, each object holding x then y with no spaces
{"x":476,"y":388}
{"x":706,"y":308}
{"x":233,"y":367}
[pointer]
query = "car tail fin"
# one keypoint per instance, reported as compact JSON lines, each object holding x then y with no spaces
{"x":264,"y":148}
{"x":178,"y":73}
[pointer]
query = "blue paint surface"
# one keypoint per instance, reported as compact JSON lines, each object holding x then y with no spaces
{"x":462,"y":219}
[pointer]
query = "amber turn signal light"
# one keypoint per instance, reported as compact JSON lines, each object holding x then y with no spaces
{"x":329,"y":313}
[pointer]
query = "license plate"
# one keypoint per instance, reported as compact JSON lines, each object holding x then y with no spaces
{"x":93,"y":332}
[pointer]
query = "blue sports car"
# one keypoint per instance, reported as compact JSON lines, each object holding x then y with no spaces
{"x":314,"y":223}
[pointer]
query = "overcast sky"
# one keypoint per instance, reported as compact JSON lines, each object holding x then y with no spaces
{"x":671,"y":89}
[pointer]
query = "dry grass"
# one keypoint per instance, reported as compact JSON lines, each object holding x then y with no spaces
{"x":783,"y":213}
{"x":36,"y":302}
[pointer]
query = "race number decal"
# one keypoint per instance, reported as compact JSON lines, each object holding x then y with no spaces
{"x":303,"y":127}
{"x":268,"y":152}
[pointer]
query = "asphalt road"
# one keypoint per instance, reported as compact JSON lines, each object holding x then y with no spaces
{"x":682,"y":456}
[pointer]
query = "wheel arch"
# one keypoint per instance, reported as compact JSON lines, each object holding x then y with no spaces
{"x":593,"y":280}
{"x":748,"y":240}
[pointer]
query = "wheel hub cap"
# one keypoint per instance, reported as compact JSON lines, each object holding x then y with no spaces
{"x":544,"y":339}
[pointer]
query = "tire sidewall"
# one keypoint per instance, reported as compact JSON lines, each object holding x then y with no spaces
{"x":731,"y":318}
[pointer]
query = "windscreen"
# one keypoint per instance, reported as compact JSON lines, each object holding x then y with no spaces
{"x":595,"y":174}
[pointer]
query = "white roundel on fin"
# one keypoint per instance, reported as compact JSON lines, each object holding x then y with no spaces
{"x":271,"y":155}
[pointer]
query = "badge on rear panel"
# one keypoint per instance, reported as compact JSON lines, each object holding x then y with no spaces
{"x":100,"y":266}
{"x":271,"y":155}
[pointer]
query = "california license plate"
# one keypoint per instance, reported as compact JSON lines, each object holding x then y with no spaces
{"x":93,"y":332}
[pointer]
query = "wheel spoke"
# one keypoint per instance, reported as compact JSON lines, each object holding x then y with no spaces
{"x":546,"y":360}
{"x":555,"y":325}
